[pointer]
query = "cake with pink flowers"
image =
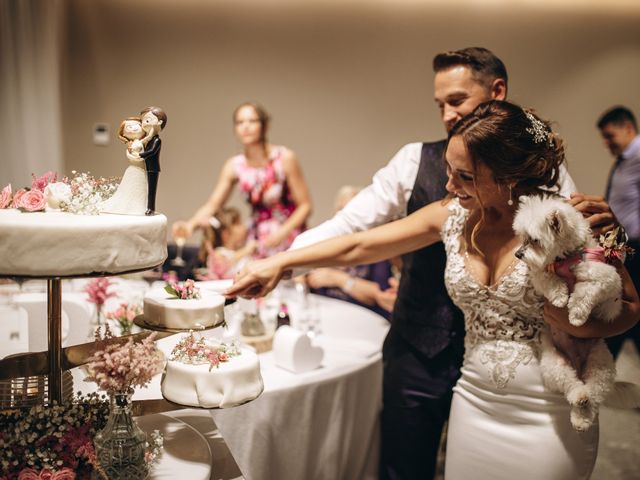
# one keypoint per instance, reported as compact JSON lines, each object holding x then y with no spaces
{"x":210,"y":374}
{"x":56,"y":229}
{"x":183,"y":306}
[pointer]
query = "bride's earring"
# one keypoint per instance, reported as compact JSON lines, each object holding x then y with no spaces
{"x":510,"y":201}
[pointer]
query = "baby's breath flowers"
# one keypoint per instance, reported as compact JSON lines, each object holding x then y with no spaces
{"x":54,"y":441}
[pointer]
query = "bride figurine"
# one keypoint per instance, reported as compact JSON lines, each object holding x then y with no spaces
{"x":131,"y":195}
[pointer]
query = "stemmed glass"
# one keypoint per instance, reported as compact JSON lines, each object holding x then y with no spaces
{"x":178,"y":261}
{"x":152,"y":275}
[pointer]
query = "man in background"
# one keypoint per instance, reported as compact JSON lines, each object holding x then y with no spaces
{"x":619,"y":131}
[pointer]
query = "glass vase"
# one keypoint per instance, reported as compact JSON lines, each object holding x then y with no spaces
{"x":120,"y":445}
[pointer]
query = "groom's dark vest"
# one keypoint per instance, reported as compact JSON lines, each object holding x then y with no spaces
{"x":423,"y":314}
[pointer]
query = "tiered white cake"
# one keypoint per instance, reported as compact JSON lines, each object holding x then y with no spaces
{"x":63,"y":244}
{"x":204,"y":373}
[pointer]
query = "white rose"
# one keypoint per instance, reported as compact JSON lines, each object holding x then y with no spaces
{"x":56,"y":193}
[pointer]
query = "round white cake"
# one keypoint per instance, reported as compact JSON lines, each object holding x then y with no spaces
{"x":227,"y":384}
{"x":63,"y":244}
{"x":163,"y":310}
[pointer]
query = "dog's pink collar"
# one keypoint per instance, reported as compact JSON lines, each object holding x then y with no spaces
{"x":562,"y":267}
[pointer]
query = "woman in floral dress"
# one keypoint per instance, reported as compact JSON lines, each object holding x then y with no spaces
{"x":271,"y":180}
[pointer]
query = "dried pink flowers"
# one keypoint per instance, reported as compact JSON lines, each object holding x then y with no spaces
{"x":116,"y":367}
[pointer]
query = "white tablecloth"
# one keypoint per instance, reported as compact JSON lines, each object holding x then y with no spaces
{"x":321,"y":424}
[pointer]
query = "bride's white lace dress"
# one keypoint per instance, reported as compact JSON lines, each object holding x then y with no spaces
{"x":504,"y":423}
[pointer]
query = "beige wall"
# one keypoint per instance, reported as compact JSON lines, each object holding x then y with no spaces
{"x":346,"y":86}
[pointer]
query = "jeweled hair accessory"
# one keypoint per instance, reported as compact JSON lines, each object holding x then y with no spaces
{"x":539,"y":130}
{"x":214,"y":222}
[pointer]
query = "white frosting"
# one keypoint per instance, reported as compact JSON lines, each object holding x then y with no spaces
{"x":64,"y":244}
{"x":229,"y":384}
{"x":163,"y":310}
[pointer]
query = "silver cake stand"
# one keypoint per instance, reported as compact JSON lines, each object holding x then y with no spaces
{"x":56,"y":359}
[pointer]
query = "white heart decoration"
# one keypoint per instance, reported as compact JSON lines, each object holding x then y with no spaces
{"x":293,"y":351}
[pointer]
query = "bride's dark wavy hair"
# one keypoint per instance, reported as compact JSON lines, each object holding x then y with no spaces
{"x":519,"y":148}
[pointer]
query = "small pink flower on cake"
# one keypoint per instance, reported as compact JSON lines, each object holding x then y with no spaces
{"x":32,"y":201}
{"x":183,"y":291}
{"x":17,"y":197}
{"x":5,"y":197}
{"x":40,"y":183}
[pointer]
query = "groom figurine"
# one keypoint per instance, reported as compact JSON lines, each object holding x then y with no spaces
{"x":153,"y":120}
{"x":423,"y":351}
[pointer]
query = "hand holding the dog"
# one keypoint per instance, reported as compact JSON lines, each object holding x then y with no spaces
{"x":596,"y":210}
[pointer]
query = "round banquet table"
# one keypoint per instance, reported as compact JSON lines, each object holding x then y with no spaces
{"x":320,"y":424}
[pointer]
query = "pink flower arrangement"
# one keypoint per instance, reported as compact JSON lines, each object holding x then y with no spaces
{"x":53,"y":442}
{"x":5,"y":197}
{"x":46,"y":474}
{"x":124,"y":315}
{"x":196,"y":351}
{"x":184,"y":291}
{"x":116,"y":367}
{"x":40,"y":183}
{"x":98,"y":291}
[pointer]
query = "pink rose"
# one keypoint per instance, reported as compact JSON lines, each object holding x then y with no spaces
{"x":28,"y":474}
{"x":33,"y":201}
{"x":64,"y":474}
{"x":17,"y":197}
{"x":5,"y":197}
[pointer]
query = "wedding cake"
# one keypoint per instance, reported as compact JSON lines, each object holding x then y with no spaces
{"x":208,"y":374}
{"x":183,"y":306}
{"x":45,"y":244}
{"x":55,"y":229}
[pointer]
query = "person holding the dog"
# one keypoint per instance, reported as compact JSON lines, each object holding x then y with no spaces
{"x":423,"y":351}
{"x":504,"y":423}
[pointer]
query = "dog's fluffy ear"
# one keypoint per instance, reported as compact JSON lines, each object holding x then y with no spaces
{"x":554,"y":221}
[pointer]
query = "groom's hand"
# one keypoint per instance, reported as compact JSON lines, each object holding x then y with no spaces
{"x":596,"y":210}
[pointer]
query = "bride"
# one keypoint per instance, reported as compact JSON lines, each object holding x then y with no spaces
{"x":504,"y":424}
{"x":131,"y":195}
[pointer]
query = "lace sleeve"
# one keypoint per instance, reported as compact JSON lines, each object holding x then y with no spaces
{"x":453,"y":226}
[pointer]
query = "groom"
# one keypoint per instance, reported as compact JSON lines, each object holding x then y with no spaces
{"x":153,"y":121}
{"x":424,"y":347}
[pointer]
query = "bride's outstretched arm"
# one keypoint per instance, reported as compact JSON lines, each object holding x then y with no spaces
{"x":418,"y":230}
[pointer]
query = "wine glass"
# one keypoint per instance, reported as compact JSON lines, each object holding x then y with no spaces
{"x":178,"y":261}
{"x":152,"y":275}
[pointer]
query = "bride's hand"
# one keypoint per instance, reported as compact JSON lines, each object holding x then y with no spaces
{"x":256,"y":279}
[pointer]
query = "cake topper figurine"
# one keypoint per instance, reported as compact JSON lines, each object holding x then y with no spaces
{"x":130,"y":197}
{"x":153,"y":121}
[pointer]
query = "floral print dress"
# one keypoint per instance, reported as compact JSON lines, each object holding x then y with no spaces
{"x":266,"y":190}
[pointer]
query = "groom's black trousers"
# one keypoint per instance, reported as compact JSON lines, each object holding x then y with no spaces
{"x":417,"y":393}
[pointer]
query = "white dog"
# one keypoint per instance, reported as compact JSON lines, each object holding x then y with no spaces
{"x":567,"y":266}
